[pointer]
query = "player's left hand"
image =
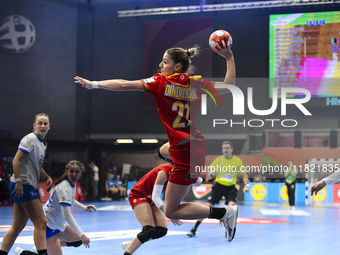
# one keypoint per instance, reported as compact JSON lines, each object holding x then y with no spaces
{"x":86,"y":241}
{"x":176,"y":222}
{"x":245,"y":189}
{"x":89,"y":207}
{"x":83,"y":82}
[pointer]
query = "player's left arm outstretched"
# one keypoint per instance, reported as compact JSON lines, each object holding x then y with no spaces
{"x":66,"y":211}
{"x":113,"y":85}
{"x":87,"y":208}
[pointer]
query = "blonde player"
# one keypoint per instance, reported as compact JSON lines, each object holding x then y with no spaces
{"x":178,"y":98}
{"x":27,"y":170}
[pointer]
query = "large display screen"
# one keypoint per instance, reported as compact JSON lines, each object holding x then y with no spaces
{"x":304,"y":50}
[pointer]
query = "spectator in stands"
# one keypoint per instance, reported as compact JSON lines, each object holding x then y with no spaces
{"x":95,"y":179}
{"x":114,"y":172}
{"x":110,"y":186}
{"x":121,"y":187}
{"x":258,"y":177}
{"x":8,"y":179}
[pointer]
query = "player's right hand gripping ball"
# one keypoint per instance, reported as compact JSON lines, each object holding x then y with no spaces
{"x":220,"y":37}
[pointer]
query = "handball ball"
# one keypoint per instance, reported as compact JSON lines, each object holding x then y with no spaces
{"x":220,"y":37}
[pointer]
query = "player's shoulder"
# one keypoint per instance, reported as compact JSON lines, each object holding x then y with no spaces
{"x":27,"y":141}
{"x":153,"y":78}
{"x":64,"y":185}
{"x":29,"y":137}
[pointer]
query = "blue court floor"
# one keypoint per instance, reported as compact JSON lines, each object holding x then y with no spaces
{"x":262,"y":230}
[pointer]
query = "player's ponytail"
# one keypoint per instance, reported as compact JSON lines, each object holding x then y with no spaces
{"x":194,"y":51}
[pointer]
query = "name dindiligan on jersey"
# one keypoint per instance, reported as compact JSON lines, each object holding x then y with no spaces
{"x":181,"y":92}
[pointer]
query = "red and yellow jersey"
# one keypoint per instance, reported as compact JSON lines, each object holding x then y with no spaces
{"x":145,"y":184}
{"x":178,"y":100}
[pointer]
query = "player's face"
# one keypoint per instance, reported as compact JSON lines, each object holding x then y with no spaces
{"x":227,"y":150}
{"x":41,"y":126}
{"x":167,"y":65}
{"x":73,"y":174}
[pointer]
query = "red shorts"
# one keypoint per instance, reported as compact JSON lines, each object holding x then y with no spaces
{"x":188,"y":159}
{"x":136,"y":198}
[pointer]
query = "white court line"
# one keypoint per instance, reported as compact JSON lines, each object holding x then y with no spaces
{"x":100,"y":236}
{"x":115,"y":208}
{"x":284,"y":212}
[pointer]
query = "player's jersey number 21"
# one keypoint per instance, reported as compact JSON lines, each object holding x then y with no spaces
{"x":182,"y":109}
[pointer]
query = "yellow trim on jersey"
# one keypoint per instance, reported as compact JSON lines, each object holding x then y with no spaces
{"x":196,"y":77}
{"x":227,"y":170}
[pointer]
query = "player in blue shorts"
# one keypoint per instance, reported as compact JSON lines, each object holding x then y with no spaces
{"x":27,"y":170}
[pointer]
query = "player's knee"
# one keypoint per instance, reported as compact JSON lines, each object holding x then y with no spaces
{"x":169,"y":212}
{"x":74,"y":244}
{"x":146,"y":233}
{"x":40,"y":223}
{"x":160,"y":153}
{"x":160,"y":232}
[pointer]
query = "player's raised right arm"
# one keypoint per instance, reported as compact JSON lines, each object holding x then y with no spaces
{"x":114,"y":85}
{"x":231,"y":69}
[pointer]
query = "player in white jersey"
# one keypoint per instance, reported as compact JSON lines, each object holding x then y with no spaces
{"x":27,"y":170}
{"x":62,"y":229}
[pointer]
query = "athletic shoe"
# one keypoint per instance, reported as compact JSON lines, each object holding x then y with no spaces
{"x":125,"y":245}
{"x":35,"y":249}
{"x":229,"y":220}
{"x":192,"y":232}
{"x":18,"y":251}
